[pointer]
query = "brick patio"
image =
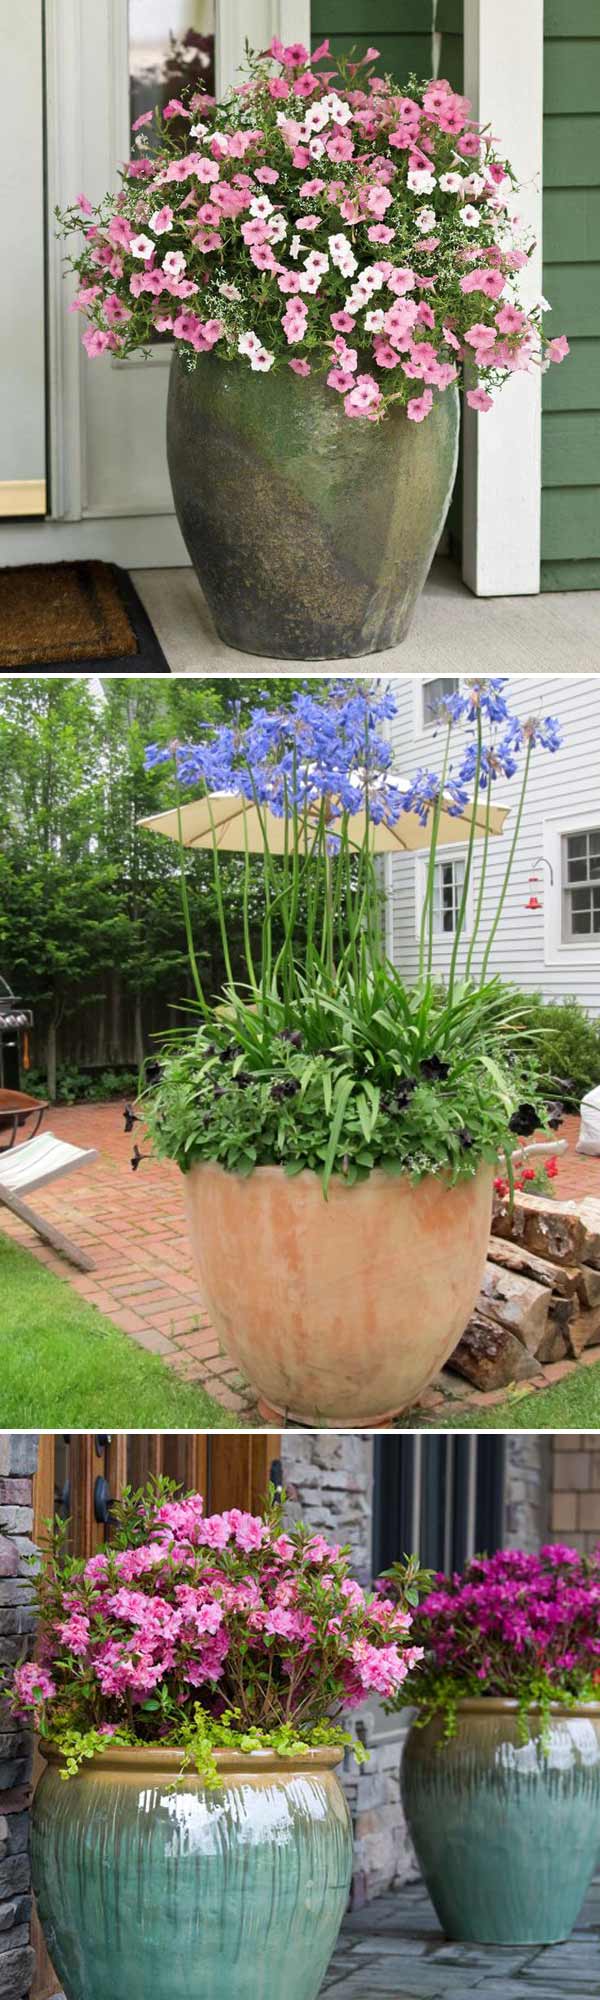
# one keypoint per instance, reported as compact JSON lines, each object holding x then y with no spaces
{"x":394,"y":1947}
{"x":134,"y":1228}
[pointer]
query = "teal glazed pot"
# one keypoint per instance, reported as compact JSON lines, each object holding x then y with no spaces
{"x":311,"y":532}
{"x":152,"y":1890}
{"x":506,"y":1833}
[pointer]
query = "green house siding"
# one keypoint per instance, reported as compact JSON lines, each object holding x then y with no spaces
{"x":400,"y":29}
{"x":571,"y":394}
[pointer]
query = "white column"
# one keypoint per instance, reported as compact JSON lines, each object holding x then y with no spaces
{"x":504,"y":50}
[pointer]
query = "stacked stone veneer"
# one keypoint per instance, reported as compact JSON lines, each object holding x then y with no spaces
{"x":329,"y":1481}
{"x":17,"y":1466}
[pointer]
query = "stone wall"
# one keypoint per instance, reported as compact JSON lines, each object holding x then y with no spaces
{"x":528,"y":1473}
{"x":329,"y":1481}
{"x":575,"y":1490}
{"x":328,"y":1477}
{"x":18,"y":1456}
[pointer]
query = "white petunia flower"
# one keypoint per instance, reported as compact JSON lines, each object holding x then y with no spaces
{"x":420,"y":180}
{"x":470,"y":216}
{"x":451,"y":183}
{"x":141,"y":246}
{"x":425,"y":220}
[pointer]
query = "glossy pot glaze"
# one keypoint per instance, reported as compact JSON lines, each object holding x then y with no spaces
{"x":149,"y":1890}
{"x":311,"y":533}
{"x":338,"y":1311}
{"x":506,"y":1832}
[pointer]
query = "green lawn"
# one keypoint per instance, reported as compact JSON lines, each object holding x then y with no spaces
{"x":572,"y":1405}
{"x":63,"y":1366}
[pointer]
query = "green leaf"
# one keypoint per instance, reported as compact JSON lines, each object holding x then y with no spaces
{"x":343,"y":1092}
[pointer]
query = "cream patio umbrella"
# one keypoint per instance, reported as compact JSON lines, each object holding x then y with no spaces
{"x":236,"y":826}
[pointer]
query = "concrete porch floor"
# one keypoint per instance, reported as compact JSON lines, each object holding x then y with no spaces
{"x":394,"y":1947}
{"x":453,"y":632}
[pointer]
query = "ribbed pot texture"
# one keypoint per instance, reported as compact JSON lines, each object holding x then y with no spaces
{"x":311,"y":532}
{"x":149,"y":1890}
{"x":506,"y":1833}
{"x":338,"y":1311}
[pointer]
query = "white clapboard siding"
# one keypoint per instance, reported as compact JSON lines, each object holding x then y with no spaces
{"x":563,"y":789}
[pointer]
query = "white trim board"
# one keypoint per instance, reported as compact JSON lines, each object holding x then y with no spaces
{"x":570,"y":956}
{"x":504,"y":71}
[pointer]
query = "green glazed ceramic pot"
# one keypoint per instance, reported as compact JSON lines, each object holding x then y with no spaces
{"x":506,"y":1833}
{"x":311,"y":532}
{"x":149,"y":1890}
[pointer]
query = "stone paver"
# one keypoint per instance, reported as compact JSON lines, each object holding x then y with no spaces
{"x":394,"y":1947}
{"x":134,"y":1227}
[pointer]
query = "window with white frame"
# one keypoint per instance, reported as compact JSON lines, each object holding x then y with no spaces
{"x":448,"y":885}
{"x":581,"y":886}
{"x":433,"y":692}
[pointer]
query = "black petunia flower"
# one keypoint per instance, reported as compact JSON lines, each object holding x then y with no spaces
{"x":435,"y":1069}
{"x":293,"y":1036}
{"x":524,"y":1121}
{"x":287,"y":1087}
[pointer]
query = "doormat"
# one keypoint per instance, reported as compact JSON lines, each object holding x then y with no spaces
{"x":57,"y":616}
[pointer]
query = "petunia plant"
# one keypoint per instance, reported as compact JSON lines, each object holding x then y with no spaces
{"x":201,"y":1632}
{"x":321,"y":1055}
{"x":320,"y":218}
{"x":519,"y":1626}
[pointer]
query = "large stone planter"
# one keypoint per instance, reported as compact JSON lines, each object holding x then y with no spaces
{"x":338,"y":1311}
{"x":311,"y":533}
{"x":151,"y":1890}
{"x":506,"y":1832}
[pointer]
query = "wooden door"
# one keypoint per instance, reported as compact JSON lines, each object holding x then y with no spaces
{"x":78,"y":1475}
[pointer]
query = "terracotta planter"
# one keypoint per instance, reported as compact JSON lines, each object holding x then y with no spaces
{"x":506,"y":1832}
{"x":339,"y":1311}
{"x":151,"y":1890}
{"x":311,"y":533}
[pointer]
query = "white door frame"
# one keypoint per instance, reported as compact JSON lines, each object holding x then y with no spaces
{"x":502,"y":470}
{"x":22,"y":347}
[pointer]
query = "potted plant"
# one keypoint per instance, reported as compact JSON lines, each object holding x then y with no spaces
{"x":329,"y":254}
{"x":337,"y":1128}
{"x":501,"y":1769}
{"x":188,"y":1687}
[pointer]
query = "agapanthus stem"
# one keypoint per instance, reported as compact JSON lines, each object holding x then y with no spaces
{"x":509,"y":864}
{"x":482,"y":876}
{"x":460,"y":921}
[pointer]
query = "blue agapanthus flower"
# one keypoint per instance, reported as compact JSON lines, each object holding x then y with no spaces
{"x":333,"y":752}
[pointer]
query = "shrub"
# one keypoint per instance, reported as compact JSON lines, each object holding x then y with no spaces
{"x":569,"y":1040}
{"x":514,"y":1625}
{"x":201,"y":1631}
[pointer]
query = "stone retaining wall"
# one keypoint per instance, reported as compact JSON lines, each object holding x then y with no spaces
{"x":18,"y":1455}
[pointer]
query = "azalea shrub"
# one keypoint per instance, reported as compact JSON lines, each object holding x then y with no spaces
{"x":325,"y":1057}
{"x":205,"y":1631}
{"x":520,"y":1626}
{"x":323,"y":219}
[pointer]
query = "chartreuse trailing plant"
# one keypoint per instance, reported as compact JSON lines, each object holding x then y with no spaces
{"x":519,"y":1626}
{"x":324,"y":1057}
{"x":321,"y":219}
{"x":201,"y":1632}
